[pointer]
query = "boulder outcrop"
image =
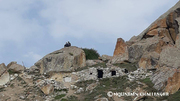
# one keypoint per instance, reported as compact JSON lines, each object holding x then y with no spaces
{"x":166,"y":28}
{"x":120,"y":48}
{"x":4,"y":78}
{"x":15,"y":67}
{"x":105,"y":58}
{"x":65,"y":59}
{"x":4,"y":75}
{"x":170,"y":57}
{"x":161,"y":76}
{"x":47,"y":89}
{"x":120,"y":53}
{"x":149,"y":60}
{"x":157,"y":47}
{"x":178,"y":41}
{"x":173,"y":83}
{"x":2,"y":68}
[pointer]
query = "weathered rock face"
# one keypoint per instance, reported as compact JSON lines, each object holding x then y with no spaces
{"x":149,"y":60}
{"x":47,"y":89}
{"x":15,"y":67}
{"x":173,"y":83}
{"x":90,"y":63}
{"x":4,"y":75}
{"x":168,"y":23}
{"x":120,"y":52}
{"x":34,"y":69}
{"x":157,"y":47}
{"x":105,"y":58}
{"x":120,"y":48}
{"x":4,"y":78}
{"x":162,"y":32}
{"x":119,"y":59}
{"x":2,"y":68}
{"x":170,"y":57}
{"x":178,"y":41}
{"x":135,"y":52}
{"x":161,"y":76}
{"x":166,"y":28}
{"x":66,"y":59}
{"x":11,"y":63}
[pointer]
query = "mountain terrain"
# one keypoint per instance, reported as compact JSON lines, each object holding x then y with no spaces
{"x":147,"y":63}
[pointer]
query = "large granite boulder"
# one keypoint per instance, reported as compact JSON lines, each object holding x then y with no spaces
{"x":2,"y":68}
{"x":120,"y":53}
{"x":105,"y":58}
{"x":166,"y":79}
{"x":119,"y":59}
{"x":173,"y":82}
{"x":4,"y":78}
{"x":161,"y":76}
{"x":47,"y":89}
{"x":120,"y":48}
{"x":170,"y":56}
{"x":4,"y":75}
{"x":149,"y":60}
{"x":14,"y":67}
{"x":65,"y":59}
{"x":134,"y":52}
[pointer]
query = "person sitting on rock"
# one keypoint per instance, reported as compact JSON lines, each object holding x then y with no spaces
{"x":68,"y":44}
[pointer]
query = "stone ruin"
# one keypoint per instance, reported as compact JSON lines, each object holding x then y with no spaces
{"x":95,"y":73}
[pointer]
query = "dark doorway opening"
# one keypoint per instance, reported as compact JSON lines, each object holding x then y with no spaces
{"x":113,"y":73}
{"x":125,"y":71}
{"x":153,"y":69}
{"x":100,"y":73}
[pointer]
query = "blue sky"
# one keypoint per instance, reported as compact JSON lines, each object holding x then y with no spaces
{"x":30,"y":29}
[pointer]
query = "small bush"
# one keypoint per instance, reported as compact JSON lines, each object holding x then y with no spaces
{"x":59,"y":96}
{"x":12,"y":71}
{"x":12,"y":85}
{"x":91,"y":54}
{"x":71,"y":54}
{"x":64,"y":99}
{"x":19,"y":79}
{"x":2,"y":89}
{"x":174,"y":97}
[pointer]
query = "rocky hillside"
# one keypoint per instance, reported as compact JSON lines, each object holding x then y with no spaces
{"x":156,"y":48}
{"x":74,"y":82}
{"x":148,"y":63}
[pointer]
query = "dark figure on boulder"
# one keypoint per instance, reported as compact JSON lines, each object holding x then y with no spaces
{"x":68,"y":44}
